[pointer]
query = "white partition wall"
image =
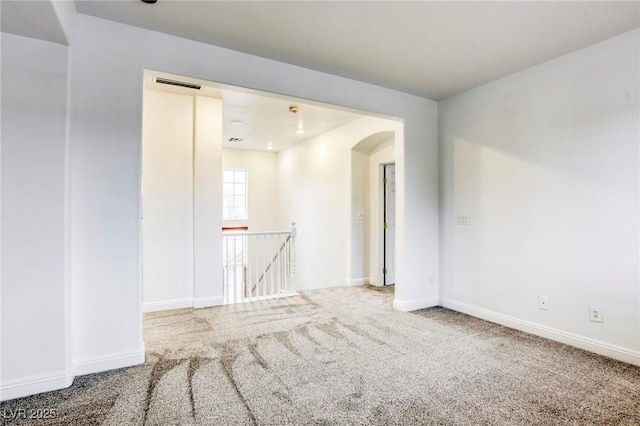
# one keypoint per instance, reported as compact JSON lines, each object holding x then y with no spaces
{"x":167,"y":201}
{"x":207,"y":202}
{"x":181,"y":202}
{"x":35,"y":307}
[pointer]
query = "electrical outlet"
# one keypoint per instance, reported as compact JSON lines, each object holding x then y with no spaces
{"x":543,"y":303}
{"x":595,"y":314}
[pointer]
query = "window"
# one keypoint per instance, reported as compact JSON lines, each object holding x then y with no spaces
{"x":234,"y":192}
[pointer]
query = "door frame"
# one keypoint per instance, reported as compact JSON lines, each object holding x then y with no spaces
{"x":382,"y":220}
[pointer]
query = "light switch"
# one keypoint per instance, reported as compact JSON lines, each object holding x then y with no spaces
{"x":462,"y":220}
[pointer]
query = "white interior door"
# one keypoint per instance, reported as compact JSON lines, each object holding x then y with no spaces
{"x":389,"y":268}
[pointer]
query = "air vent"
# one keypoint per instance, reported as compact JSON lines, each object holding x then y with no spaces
{"x":161,"y":80}
{"x":235,"y":139}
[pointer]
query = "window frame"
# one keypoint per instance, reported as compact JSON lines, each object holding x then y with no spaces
{"x":225,"y":206}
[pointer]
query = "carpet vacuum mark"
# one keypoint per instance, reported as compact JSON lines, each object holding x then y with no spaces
{"x":344,"y":356}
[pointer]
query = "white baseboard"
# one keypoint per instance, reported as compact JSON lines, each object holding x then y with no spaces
{"x":166,"y":305}
{"x":352,"y":282}
{"x":588,"y":344}
{"x":206,"y":302}
{"x":414,"y":305}
{"x":31,"y":385}
{"x":110,"y":362}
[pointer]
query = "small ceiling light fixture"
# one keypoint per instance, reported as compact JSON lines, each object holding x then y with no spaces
{"x":294,"y":109}
{"x":149,"y":1}
{"x":237,"y":122}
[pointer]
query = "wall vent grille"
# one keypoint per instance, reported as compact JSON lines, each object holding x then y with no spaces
{"x":161,"y":80}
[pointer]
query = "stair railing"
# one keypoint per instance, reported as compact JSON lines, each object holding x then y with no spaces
{"x":258,"y":265}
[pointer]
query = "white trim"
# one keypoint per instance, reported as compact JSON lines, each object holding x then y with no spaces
{"x":166,"y":305}
{"x":414,"y":305}
{"x":588,"y":344}
{"x":110,"y":362}
{"x":353,"y":282}
{"x":206,"y":302}
{"x":32,"y":385}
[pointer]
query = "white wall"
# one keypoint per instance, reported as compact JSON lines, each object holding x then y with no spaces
{"x":315,"y":191}
{"x":35,"y":331}
{"x":181,"y":163}
{"x":545,"y":165}
{"x":107,"y":68}
{"x":207,"y":202}
{"x":167,"y":202}
{"x":263,"y":191}
{"x":359,"y":269}
{"x":314,"y":187}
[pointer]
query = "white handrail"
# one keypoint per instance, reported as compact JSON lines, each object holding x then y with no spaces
{"x":256,"y":233}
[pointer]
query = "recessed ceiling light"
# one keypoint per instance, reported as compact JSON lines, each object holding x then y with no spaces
{"x":300,"y":131}
{"x":269,"y":146}
{"x":237,"y":122}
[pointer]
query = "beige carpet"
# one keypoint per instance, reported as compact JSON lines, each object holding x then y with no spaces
{"x":344,"y":356}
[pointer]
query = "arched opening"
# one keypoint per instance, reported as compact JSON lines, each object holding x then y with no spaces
{"x":372,"y":246}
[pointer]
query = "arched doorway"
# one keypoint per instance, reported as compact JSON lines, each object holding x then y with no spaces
{"x":372,"y":253}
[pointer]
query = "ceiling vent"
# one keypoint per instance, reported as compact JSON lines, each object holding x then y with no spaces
{"x":161,"y":80}
{"x":235,"y":139}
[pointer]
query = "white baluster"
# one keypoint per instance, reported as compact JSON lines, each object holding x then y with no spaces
{"x":226,"y":269}
{"x":274,"y":243}
{"x":294,"y":233}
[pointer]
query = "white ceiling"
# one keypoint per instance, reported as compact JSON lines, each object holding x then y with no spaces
{"x":431,"y":49}
{"x":427,"y":48}
{"x":268,"y":119}
{"x":33,"y":19}
{"x":265,"y":117}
